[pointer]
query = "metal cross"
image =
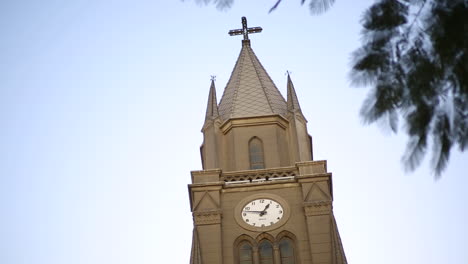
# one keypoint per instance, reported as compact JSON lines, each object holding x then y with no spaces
{"x":245,"y":30}
{"x":213,"y":78}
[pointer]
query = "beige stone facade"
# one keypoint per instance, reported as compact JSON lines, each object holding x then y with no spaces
{"x":257,"y":148}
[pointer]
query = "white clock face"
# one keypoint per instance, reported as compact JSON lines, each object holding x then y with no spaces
{"x":262,"y":212}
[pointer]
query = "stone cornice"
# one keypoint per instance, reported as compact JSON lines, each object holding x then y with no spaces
{"x":313,"y":177}
{"x":254,"y":121}
{"x":205,"y":176}
{"x":209,"y":184}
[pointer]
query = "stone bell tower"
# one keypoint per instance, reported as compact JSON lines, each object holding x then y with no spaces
{"x":260,"y":198}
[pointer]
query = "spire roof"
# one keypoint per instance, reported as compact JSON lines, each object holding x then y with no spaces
{"x":293,"y":102}
{"x":250,"y":90}
{"x":212,"y":105}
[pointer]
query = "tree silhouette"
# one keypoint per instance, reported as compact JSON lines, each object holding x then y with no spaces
{"x":315,"y":6}
{"x":414,"y":57}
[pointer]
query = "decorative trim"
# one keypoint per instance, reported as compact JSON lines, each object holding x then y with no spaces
{"x":314,"y":186}
{"x":252,"y":176}
{"x":317,"y":208}
{"x":207,"y":217}
{"x":206,"y":193}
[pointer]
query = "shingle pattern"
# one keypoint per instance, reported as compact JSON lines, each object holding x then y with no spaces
{"x":250,"y":90}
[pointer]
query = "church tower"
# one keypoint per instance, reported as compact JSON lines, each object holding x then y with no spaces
{"x":260,"y":198}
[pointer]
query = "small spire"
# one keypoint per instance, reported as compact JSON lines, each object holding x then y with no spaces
{"x":212,"y":105}
{"x":293,"y":102}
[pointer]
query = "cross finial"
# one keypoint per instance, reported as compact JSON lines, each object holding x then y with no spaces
{"x":245,"y":30}
{"x":213,"y":78}
{"x":288,"y":72}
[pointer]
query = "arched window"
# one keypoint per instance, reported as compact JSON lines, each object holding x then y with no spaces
{"x":245,"y":253}
{"x":256,"y":154}
{"x":287,"y":251}
{"x":265,"y":251}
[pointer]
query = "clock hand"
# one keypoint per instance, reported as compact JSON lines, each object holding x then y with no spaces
{"x":264,"y":210}
{"x":253,"y":211}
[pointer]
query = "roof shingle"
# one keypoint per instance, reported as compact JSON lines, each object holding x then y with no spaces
{"x":250,"y":90}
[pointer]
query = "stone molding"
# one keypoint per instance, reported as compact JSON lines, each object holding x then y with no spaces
{"x":274,"y":119}
{"x":207,"y":217}
{"x":317,"y":208}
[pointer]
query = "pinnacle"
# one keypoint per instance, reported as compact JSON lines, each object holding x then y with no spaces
{"x":293,"y":102}
{"x":212,"y":105}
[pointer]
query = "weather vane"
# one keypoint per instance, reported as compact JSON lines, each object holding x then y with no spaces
{"x":245,"y":30}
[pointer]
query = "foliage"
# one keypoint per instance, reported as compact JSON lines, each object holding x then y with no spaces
{"x":315,"y":6}
{"x":220,"y":4}
{"x":415,"y":58}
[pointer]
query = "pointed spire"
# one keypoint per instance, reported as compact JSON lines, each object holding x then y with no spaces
{"x":250,"y":91}
{"x":212,"y":105}
{"x":293,"y":102}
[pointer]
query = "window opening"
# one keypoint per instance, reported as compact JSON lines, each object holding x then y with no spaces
{"x":256,"y":154}
{"x":287,"y":251}
{"x":265,"y":251}
{"x":245,"y":253}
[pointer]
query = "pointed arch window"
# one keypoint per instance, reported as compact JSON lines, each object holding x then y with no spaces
{"x":245,"y":253}
{"x":286,"y":248}
{"x":265,"y":250}
{"x":256,"y":154}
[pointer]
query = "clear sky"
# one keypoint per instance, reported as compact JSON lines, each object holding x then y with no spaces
{"x":101,"y":106}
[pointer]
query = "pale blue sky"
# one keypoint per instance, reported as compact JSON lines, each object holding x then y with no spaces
{"x":101,"y":106}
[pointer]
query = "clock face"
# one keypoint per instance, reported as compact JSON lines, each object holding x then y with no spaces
{"x":262,"y":212}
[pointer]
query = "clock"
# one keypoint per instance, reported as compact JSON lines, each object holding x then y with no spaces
{"x":262,"y":212}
